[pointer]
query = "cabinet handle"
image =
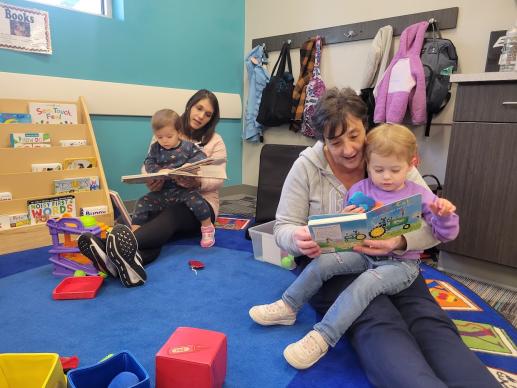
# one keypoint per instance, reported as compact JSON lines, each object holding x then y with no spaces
{"x":509,"y":102}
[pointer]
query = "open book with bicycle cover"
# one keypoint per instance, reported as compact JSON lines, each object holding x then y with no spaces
{"x":205,"y":168}
{"x":340,"y":232}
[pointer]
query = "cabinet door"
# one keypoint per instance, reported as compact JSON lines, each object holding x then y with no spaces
{"x":481,"y":180}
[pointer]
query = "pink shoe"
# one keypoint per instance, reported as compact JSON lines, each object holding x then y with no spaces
{"x":207,"y":236}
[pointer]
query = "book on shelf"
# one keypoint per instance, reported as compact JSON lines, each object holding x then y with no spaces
{"x":71,"y":185}
{"x":53,"y":113}
{"x":205,"y":168}
{"x":15,"y":118}
{"x":78,"y":163}
{"x":40,"y":167}
{"x":28,"y":139}
{"x":13,"y":220}
{"x":41,"y":210}
{"x":341,"y":232}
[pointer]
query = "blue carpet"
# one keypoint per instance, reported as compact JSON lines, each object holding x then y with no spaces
{"x":141,"y":319}
{"x":22,"y":261}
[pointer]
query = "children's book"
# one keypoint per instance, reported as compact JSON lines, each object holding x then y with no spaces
{"x":15,"y":118}
{"x":70,"y":185}
{"x":231,"y":223}
{"x":340,"y":232}
{"x":205,"y":168}
{"x":53,"y":113}
{"x":78,"y":163}
{"x":41,"y":210}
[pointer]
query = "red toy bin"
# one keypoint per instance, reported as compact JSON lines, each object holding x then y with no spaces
{"x":81,"y":287}
{"x":192,"y":358}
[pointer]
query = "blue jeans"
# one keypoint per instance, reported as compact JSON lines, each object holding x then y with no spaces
{"x":407,"y":326}
{"x":379,"y":275}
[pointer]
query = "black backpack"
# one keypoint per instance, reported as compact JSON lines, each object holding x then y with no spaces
{"x":277,"y":96}
{"x":440,"y":60}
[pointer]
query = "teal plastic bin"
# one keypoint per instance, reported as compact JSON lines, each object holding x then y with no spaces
{"x":101,"y":374}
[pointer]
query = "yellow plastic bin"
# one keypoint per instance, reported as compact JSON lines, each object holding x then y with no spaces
{"x":31,"y":370}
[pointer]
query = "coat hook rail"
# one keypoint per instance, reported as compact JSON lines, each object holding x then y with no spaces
{"x":447,"y":18}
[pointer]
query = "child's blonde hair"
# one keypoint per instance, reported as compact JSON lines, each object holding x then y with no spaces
{"x":164,"y":118}
{"x":391,"y":139}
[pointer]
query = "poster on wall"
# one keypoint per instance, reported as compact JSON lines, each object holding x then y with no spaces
{"x":24,"y":29}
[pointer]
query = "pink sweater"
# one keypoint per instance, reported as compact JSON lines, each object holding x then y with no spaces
{"x":403,"y":83}
{"x":216,"y":149}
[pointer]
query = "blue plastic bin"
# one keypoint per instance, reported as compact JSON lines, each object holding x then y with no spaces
{"x":101,"y":374}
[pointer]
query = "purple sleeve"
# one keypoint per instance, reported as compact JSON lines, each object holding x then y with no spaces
{"x":444,"y":228}
{"x":354,"y":189}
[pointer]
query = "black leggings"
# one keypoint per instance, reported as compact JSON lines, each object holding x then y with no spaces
{"x":174,"y":222}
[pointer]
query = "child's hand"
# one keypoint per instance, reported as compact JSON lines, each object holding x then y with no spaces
{"x":353,"y":209}
{"x":155,"y":184}
{"x":164,"y":170}
{"x":442,"y":207}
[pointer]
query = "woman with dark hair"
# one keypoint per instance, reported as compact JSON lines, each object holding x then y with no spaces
{"x":125,"y":253}
{"x":402,"y":340}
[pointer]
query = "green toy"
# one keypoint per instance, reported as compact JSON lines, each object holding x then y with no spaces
{"x":79,"y":273}
{"x":287,"y":261}
{"x":88,"y":221}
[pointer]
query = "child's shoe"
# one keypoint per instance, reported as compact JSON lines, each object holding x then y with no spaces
{"x":277,"y":313}
{"x":307,"y":351}
{"x":207,"y":236}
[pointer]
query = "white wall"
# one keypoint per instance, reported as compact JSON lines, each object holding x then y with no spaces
{"x":341,"y":64}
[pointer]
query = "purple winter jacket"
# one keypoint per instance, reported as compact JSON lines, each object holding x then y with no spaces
{"x":403,"y":83}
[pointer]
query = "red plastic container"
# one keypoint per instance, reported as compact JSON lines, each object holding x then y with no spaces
{"x":82,"y":287}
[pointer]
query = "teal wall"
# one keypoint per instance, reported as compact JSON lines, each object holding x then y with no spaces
{"x":170,"y":43}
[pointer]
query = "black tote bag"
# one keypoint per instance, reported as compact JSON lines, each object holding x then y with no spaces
{"x":275,"y":105}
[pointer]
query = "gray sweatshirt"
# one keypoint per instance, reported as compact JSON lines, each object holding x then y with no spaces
{"x":311,"y":188}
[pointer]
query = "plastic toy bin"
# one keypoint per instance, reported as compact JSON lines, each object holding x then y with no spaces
{"x":100,"y":375}
{"x":31,"y":370}
{"x":264,"y":245}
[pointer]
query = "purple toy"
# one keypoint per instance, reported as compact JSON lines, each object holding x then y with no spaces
{"x":63,"y":254}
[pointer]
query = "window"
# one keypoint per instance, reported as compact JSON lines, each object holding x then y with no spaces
{"x":96,"y":7}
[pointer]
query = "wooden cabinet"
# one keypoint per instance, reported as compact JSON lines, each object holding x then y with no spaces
{"x":16,"y":176}
{"x":481,"y":173}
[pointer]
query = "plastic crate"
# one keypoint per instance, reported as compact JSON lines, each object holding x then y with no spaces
{"x":31,"y":370}
{"x":100,"y":374}
{"x":264,"y":245}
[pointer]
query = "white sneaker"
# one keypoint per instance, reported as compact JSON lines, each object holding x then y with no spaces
{"x":307,"y":351}
{"x":277,"y":313}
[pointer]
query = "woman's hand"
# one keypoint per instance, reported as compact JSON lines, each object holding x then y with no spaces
{"x":381,"y":247}
{"x":305,"y":243}
{"x":155,"y":184}
{"x":187,"y":182}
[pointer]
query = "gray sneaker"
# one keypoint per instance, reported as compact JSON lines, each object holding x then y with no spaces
{"x":307,"y":351}
{"x":277,"y":313}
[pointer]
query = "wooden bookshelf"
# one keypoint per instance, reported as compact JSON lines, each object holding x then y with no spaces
{"x":17,"y":178}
